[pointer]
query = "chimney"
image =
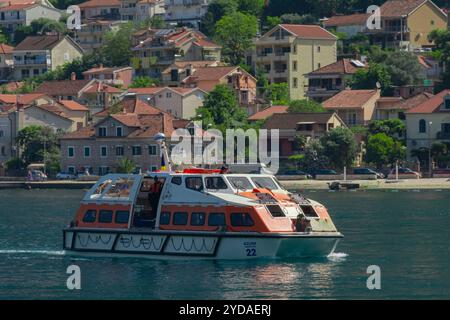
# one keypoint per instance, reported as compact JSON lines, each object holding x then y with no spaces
{"x":73,"y":76}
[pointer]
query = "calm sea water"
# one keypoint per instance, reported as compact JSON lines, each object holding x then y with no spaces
{"x":407,"y":234}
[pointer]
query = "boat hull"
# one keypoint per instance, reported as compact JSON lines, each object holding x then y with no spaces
{"x":199,"y":245}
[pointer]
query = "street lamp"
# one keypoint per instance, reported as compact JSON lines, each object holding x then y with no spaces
{"x":429,"y":150}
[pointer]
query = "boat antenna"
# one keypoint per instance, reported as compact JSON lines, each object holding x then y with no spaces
{"x":166,"y":165}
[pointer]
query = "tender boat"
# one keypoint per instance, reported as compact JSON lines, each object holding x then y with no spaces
{"x":199,"y":213}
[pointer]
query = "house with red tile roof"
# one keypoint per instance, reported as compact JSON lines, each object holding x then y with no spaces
{"x":35,"y":55}
{"x":395,"y":107}
{"x":6,"y":61}
{"x":355,"y":107}
{"x":162,"y":47}
{"x":116,"y":76}
{"x":207,"y":78}
{"x":267,"y":113}
{"x":325,"y":82}
{"x":179,"y":70}
{"x":127,"y":133}
{"x":351,"y":25}
{"x":281,"y":54}
{"x":428,"y":122}
{"x":100,"y":9}
{"x":310,"y":125}
{"x":15,"y":14}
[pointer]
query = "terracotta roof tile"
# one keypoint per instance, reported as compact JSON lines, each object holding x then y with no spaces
{"x":83,"y":133}
{"x":17,"y":7}
{"x":347,"y":20}
{"x":432,"y":104}
{"x":289,"y":121}
{"x":349,"y":99}
{"x":73,"y":105}
{"x":53,"y":108}
{"x":206,"y":43}
{"x":5,"y":49}
{"x":398,"y":8}
{"x":344,"y":66}
{"x":194,"y":64}
{"x":63,"y":87}
{"x":147,"y":90}
{"x":98,"y":86}
{"x":99,"y":3}
{"x":23,"y":99}
{"x":39,"y":42}
{"x":266,"y":113}
{"x":308,"y":31}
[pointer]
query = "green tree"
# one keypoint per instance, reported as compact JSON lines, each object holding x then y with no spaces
{"x":125,"y":165}
{"x":216,"y":10}
{"x":278,"y":93}
{"x":253,"y":7}
{"x":272,"y":22}
{"x":144,"y":82}
{"x":39,"y":26}
{"x":382,"y":149}
{"x":303,"y":105}
{"x":39,"y":143}
{"x":339,"y":146}
{"x":116,"y":48}
{"x":368,"y":78}
{"x":395,"y":128}
{"x":221,"y":110}
{"x":235,"y":33}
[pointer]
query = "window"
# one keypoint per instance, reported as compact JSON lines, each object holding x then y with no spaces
{"x":1,"y":133}
{"x":295,"y":49}
{"x":215,"y":183}
{"x":180,"y":218}
{"x":103,"y":151}
{"x":168,"y":94}
{"x":152,"y":150}
{"x":241,"y":220}
{"x":176,"y":180}
{"x":318,"y":66}
{"x":122,"y":216}
{"x":165,"y":218}
{"x":105,"y":216}
{"x":216,"y":219}
{"x":264,"y":182}
{"x":3,"y":151}
{"x":119,"y":131}
{"x":422,"y":126}
{"x":276,"y":211}
{"x":294,"y":82}
{"x":294,"y":65}
{"x":71,"y":170}
{"x":136,"y":150}
{"x":318,"y":48}
{"x":119,"y":151}
{"x":102,"y":132}
{"x":103,"y":170}
{"x":87,"y":152}
{"x":70,"y":152}
{"x":198,"y":218}
{"x":194,"y":183}
{"x":240,"y":183}
{"x":90,"y":216}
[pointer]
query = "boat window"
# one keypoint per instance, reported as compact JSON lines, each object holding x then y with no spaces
{"x":122,"y":216}
{"x":198,"y":219}
{"x":194,"y":183}
{"x":176,"y":180}
{"x":146,"y":185}
{"x":165,"y":218}
{"x":216,"y":219}
{"x":241,"y":220}
{"x":309,"y":211}
{"x":105,"y":216}
{"x":180,"y":218}
{"x":240,"y":183}
{"x":121,"y":188}
{"x":215,"y":183}
{"x":275,"y":210}
{"x":90,"y":215}
{"x":264,"y":182}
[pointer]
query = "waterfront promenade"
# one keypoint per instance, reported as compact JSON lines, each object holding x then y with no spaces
{"x":382,"y":184}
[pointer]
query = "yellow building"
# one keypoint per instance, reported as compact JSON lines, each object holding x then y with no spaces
{"x":288,"y":52}
{"x":406,"y":24}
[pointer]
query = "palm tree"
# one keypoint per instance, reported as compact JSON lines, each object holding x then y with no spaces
{"x":125,"y":165}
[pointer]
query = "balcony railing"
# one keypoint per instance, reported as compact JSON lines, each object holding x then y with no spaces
{"x":30,"y":62}
{"x":442,"y":135}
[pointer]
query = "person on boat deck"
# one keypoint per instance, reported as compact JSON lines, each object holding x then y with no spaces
{"x":155,"y":192}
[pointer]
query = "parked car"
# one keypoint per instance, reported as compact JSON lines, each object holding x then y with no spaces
{"x":316,"y":172}
{"x":364,"y":171}
{"x":441,"y":171}
{"x":65,"y":176}
{"x":296,"y":173}
{"x":37,"y":175}
{"x":403,"y":172}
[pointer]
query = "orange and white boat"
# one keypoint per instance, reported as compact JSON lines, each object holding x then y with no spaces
{"x":199,"y":213}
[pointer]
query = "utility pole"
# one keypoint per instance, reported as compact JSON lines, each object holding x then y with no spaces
{"x":430,"y":164}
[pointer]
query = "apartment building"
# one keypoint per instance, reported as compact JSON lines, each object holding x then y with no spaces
{"x":165,"y":46}
{"x":288,"y":52}
{"x":185,"y":12}
{"x":37,"y":54}
{"x":141,"y":10}
{"x":90,"y":35}
{"x":105,"y":9}
{"x":116,"y":76}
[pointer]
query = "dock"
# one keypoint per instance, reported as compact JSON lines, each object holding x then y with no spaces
{"x":51,"y":184}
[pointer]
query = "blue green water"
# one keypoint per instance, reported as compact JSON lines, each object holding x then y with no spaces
{"x":407,"y":234}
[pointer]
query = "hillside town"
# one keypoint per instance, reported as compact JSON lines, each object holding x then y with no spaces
{"x":345,"y":87}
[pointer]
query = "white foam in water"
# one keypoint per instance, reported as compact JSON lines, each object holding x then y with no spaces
{"x":337,"y":256}
{"x":49,"y":252}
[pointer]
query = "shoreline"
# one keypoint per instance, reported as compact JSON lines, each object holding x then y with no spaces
{"x":406,"y":184}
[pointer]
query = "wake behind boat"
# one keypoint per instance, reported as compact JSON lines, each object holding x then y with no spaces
{"x":199,"y":213}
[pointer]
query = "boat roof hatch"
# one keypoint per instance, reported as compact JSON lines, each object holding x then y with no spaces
{"x":115,"y":187}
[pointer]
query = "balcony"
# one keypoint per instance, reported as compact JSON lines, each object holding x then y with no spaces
{"x":443,"y":135}
{"x":29,"y":62}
